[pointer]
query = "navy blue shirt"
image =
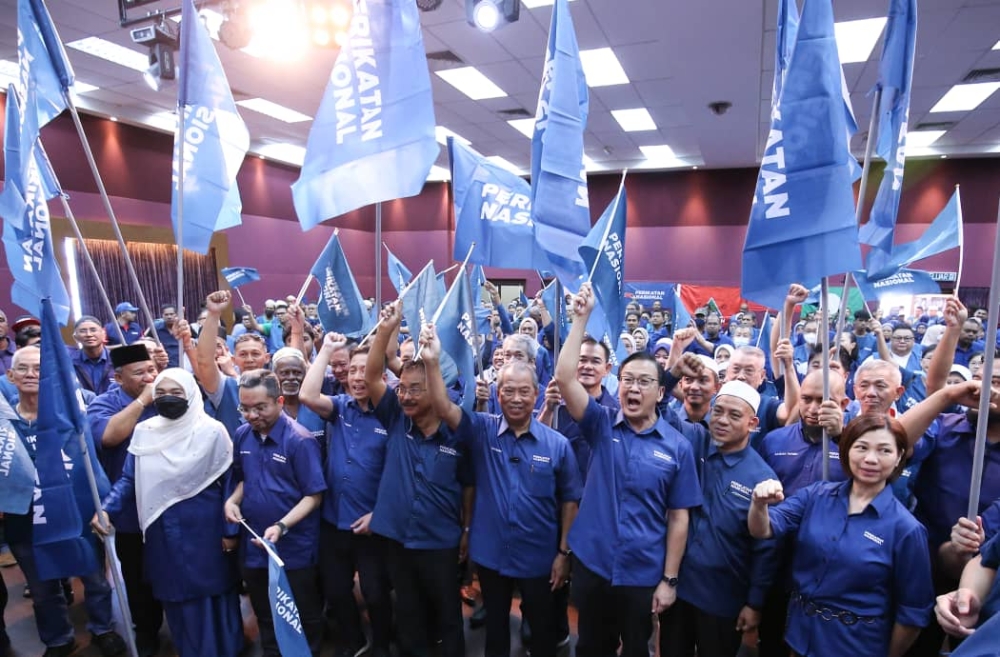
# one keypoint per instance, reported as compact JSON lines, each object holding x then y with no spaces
{"x":94,"y":374}
{"x":521,"y":484}
{"x":132,"y":332}
{"x":874,"y":564}
{"x":355,"y":456}
{"x":569,"y":428}
{"x":314,"y":424}
{"x":169,"y":342}
{"x":420,"y":496}
{"x":635,"y":479}
{"x":277,"y":471}
{"x":7,"y":355}
{"x":962,"y":355}
{"x":798,"y":462}
{"x":722,"y":338}
{"x":224,"y":405}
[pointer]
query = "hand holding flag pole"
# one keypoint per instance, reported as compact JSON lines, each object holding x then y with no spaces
{"x":403,"y":291}
{"x":263,"y":544}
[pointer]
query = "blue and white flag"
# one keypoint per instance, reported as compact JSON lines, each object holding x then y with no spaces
{"x":399,"y":274}
{"x":373,"y":137}
{"x":424,"y":293}
{"x":240,"y":276}
{"x":43,"y":64}
{"x":682,"y":316}
{"x":17,"y":472}
{"x":340,"y":306}
{"x":802,"y":225}
{"x":477,"y":280}
{"x":215,"y":140}
{"x":61,"y":538}
{"x":944,"y":233}
{"x":554,"y":303}
{"x":603,"y":254}
{"x":492,"y":209}
{"x":560,"y":206}
{"x":895,"y":80}
{"x":288,"y":630}
{"x":903,"y":282}
{"x":454,"y":322}
{"x":523,"y":298}
{"x":788,"y":28}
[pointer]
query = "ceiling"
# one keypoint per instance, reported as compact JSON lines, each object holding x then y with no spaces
{"x":679,"y":56}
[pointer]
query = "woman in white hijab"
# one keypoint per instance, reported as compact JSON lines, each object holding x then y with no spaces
{"x":177,"y":474}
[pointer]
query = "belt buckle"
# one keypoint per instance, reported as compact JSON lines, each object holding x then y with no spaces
{"x":848,"y":618}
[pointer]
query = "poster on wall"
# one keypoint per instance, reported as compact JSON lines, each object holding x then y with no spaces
{"x":929,"y":304}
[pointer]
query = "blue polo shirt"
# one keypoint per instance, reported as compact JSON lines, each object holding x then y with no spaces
{"x":569,"y":428}
{"x":942,"y":490}
{"x":420,"y":496}
{"x":521,"y":484}
{"x":725,"y":568}
{"x":224,"y":405}
{"x":355,"y":456}
{"x":99,"y":413}
{"x":314,"y":424}
{"x":798,"y":462}
{"x":94,"y":374}
{"x":169,"y":342}
{"x":722,"y":338}
{"x":277,"y":471}
{"x":962,"y":355}
{"x":635,"y":479}
{"x":132,"y":332}
{"x":873,"y":564}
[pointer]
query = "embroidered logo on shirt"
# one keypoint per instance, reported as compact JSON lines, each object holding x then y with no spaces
{"x":873,"y":538}
{"x":541,"y":459}
{"x":380,"y":431}
{"x":243,"y":451}
{"x":740,"y":490}
{"x":663,"y":457}
{"x":448,"y":450}
{"x":497,"y":450}
{"x":786,"y":453}
{"x":280,"y":458}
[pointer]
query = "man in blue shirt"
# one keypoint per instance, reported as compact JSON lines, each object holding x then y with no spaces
{"x":421,"y":509}
{"x":528,"y":489}
{"x":278,"y":473}
{"x":6,"y":344}
{"x":355,"y":457}
{"x":92,"y":361}
{"x":629,"y":537}
{"x":125,"y":314}
{"x":705,"y":343}
{"x":968,"y":342}
{"x":164,"y":328}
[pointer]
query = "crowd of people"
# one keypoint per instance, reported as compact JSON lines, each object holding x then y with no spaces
{"x":705,"y":491}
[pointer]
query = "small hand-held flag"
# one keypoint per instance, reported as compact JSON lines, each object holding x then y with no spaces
{"x":399,"y":274}
{"x":455,"y":324}
{"x":237,"y":277}
{"x":341,"y":307}
{"x":603,"y":252}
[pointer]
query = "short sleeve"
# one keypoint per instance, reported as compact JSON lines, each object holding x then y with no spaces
{"x":685,"y":490}
{"x":335,"y":409}
{"x":309,"y":466}
{"x":913,"y":588}
{"x":388,"y":408}
{"x":787,"y":516}
{"x":990,"y":553}
{"x":569,"y":483}
{"x":595,"y":424}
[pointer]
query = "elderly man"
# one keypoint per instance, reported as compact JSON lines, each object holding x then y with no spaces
{"x":92,"y":361}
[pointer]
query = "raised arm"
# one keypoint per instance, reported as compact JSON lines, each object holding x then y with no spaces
{"x":918,"y":419}
{"x":943,"y":357}
{"x":210,"y":377}
{"x":430,"y":353}
{"x":573,"y":392}
{"x":392,"y":315}
{"x":311,"y":393}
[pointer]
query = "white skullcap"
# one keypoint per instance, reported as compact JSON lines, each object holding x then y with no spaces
{"x":962,"y":371}
{"x":287,"y":352}
{"x":742,"y":391}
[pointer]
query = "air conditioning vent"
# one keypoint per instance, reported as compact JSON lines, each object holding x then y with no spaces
{"x":983,"y":75}
{"x":935,"y":125}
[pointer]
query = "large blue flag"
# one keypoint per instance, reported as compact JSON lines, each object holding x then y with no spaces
{"x":341,"y":307}
{"x":62,"y":545}
{"x":477,"y":280}
{"x":492,"y":209}
{"x":554,"y":303}
{"x":17,"y":472}
{"x":895,"y":80}
{"x":29,"y":247}
{"x":373,"y":137}
{"x":560,"y":207}
{"x":603,"y":253}
{"x":215,"y":141}
{"x":288,"y":631}
{"x":42,"y":61}
{"x":788,"y":28}
{"x":240,"y":276}
{"x":802,"y":224}
{"x":399,"y":273}
{"x":944,"y":233}
{"x":455,"y":326}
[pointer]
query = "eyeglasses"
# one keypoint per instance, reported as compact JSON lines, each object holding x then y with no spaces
{"x":409,"y":391}
{"x":258,"y":410}
{"x":644,"y":383}
{"x":25,"y":369}
{"x":903,"y":338}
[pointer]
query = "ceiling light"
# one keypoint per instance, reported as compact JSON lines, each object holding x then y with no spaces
{"x":113,"y":119}
{"x":857,"y":39}
{"x":488,"y":15}
{"x":661,"y":152}
{"x":602,"y":68}
{"x":471,"y":82}
{"x":634,"y":120}
{"x":525,"y":126}
{"x":922,"y":138}
{"x":274,"y":110}
{"x":287,"y":153}
{"x":531,"y":4}
{"x":438,"y":174}
{"x":996,"y":46}
{"x":442,"y":133}
{"x":504,"y":164}
{"x":112,"y":52}
{"x":965,"y":97}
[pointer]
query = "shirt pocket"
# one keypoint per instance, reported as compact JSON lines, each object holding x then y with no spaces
{"x":444,"y":472}
{"x":540,"y":480}
{"x":652,"y":476}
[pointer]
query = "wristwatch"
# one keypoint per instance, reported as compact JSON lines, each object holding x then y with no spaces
{"x":282,"y":526}
{"x":565,"y":553}
{"x":670,"y":581}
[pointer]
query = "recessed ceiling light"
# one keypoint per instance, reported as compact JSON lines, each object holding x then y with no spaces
{"x":112,"y":52}
{"x":634,"y":120}
{"x":857,"y":39}
{"x":442,"y":133}
{"x":471,"y":82}
{"x":965,"y":97}
{"x":287,"y":153}
{"x":531,"y":4}
{"x":504,"y":164}
{"x":439,"y":174}
{"x":274,"y":110}
{"x":660,"y":152}
{"x":602,"y":68}
{"x":996,"y":46}
{"x":922,"y":138}
{"x":944,"y":157}
{"x":525,"y":126}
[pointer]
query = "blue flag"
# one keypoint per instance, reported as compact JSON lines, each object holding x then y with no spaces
{"x":63,"y":500}
{"x":29,"y":247}
{"x":492,"y":209}
{"x":788,"y":28}
{"x":454,"y":323}
{"x":240,"y":276}
{"x":373,"y":137}
{"x":43,"y":64}
{"x":903,"y":282}
{"x":603,"y":253}
{"x":560,"y":207}
{"x":895,"y":80}
{"x":215,"y":141}
{"x":17,"y":472}
{"x":524,"y":299}
{"x":483,"y":320}
{"x":944,"y":233}
{"x":552,"y":303}
{"x":764,"y":342}
{"x":288,"y":631}
{"x":341,"y":307}
{"x":399,"y":274}
{"x":682,"y":316}
{"x":477,"y":280}
{"x":802,"y":224}
{"x":424,"y":293}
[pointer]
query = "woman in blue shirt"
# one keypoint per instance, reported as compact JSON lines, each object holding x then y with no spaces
{"x":861,"y":569}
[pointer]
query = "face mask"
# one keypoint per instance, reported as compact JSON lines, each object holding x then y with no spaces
{"x":170,"y":407}
{"x":810,"y":338}
{"x":700,"y":323}
{"x":741,"y":341}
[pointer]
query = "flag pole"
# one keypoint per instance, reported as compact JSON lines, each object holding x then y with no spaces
{"x":243,"y":301}
{"x":403,"y":291}
{"x":607,"y":229}
{"x":437,"y":313}
{"x":476,"y":354}
{"x":979,"y":453}
{"x":556,"y":314}
{"x":68,"y":98}
{"x":824,"y":334}
{"x":761,"y":332}
{"x":961,"y":242}
{"x":179,"y":228}
{"x":378,"y":255}
{"x":267,"y":548}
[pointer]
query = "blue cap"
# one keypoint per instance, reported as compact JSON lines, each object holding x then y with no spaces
{"x":125,"y":306}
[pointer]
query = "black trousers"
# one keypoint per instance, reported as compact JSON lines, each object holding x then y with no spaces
{"x":147,"y":612}
{"x":608,"y":614}
{"x":684,"y":627}
{"x":3,"y":602}
{"x":305,"y":587}
{"x":426,"y":587}
{"x":341,"y":554}
{"x":538,"y":608}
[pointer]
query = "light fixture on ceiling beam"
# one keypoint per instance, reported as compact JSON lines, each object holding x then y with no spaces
{"x":488,"y":15}
{"x":162,"y":40}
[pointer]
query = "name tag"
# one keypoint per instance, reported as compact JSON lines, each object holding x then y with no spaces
{"x":541,"y":459}
{"x":280,"y":458}
{"x":873,"y":538}
{"x":662,"y":456}
{"x":448,"y":450}
{"x":786,"y":453}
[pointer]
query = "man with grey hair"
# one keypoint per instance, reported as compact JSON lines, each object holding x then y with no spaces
{"x":518,"y":347}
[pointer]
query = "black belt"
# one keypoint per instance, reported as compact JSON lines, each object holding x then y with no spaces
{"x":810,"y":608}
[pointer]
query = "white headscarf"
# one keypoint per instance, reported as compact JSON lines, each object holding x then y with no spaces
{"x":177,"y":459}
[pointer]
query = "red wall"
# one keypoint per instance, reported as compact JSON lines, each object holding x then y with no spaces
{"x":684,"y":226}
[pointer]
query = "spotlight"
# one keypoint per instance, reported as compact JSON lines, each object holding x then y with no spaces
{"x":489,"y":15}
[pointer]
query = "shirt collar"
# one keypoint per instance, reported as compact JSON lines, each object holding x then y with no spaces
{"x":657,"y":428}
{"x":530,"y":433}
{"x":881,"y":503}
{"x":729,"y":458}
